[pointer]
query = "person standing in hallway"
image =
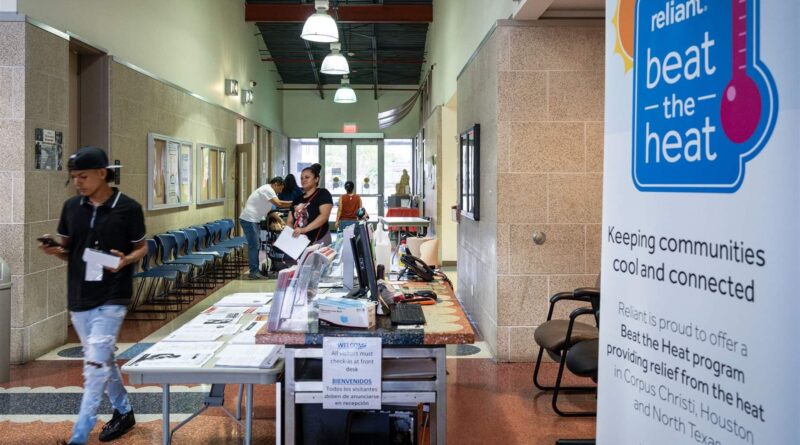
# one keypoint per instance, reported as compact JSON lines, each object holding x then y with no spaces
{"x":255,"y":209}
{"x":101,"y":218}
{"x":348,"y":207}
{"x":310,"y":212}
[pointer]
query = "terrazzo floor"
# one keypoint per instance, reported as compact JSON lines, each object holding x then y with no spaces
{"x":488,"y":403}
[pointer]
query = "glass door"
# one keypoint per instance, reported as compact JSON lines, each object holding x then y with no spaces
{"x":369,"y":174}
{"x":357,"y":160}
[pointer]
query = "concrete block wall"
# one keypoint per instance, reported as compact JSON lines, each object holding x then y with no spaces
{"x":543,"y":143}
{"x":142,"y":105}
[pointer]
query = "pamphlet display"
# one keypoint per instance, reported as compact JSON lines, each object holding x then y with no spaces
{"x":295,"y":288}
{"x":700,"y":215}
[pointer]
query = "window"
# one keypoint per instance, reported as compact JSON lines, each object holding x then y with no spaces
{"x":398,"y":156}
{"x":240,"y":131}
{"x":302,"y":153}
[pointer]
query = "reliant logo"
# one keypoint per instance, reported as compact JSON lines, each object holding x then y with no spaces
{"x":704,"y":104}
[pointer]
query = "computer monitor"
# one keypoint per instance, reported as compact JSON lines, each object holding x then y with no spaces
{"x":365,"y":265}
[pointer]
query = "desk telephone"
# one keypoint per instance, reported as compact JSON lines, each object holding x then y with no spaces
{"x":418,"y":267}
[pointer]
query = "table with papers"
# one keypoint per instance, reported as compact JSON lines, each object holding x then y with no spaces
{"x":408,"y":349}
{"x":217,"y":347}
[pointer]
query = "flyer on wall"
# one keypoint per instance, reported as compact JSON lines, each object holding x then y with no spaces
{"x":700,"y":214}
{"x":172,"y":176}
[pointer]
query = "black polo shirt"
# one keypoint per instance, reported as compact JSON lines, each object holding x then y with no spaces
{"x":117,"y":224}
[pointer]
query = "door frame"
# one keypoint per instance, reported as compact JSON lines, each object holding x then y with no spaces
{"x":248,"y":174}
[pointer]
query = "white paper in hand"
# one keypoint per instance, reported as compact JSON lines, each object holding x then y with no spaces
{"x":290,"y":245}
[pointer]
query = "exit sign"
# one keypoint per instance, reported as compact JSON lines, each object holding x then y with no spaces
{"x":350,"y":127}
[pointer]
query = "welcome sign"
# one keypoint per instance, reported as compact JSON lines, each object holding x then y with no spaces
{"x":700,"y":252}
{"x":704,"y":102}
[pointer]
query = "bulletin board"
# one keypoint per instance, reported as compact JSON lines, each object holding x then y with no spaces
{"x":169,"y":172}
{"x":210,"y":174}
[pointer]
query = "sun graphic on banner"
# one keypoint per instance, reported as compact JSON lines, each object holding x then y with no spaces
{"x":623,"y":22}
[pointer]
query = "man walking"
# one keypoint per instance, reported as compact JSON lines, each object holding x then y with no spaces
{"x":100,"y":220}
{"x":256,"y":208}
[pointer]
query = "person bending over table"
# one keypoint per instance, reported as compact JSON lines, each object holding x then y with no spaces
{"x":310,"y":212}
{"x":255,"y":209}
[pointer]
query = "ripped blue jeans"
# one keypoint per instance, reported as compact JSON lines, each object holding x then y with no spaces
{"x":98,"y":329}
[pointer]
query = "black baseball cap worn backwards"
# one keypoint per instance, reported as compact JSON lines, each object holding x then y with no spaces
{"x":90,"y":158}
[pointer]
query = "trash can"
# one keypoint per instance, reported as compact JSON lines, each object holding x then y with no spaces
{"x":5,"y":319}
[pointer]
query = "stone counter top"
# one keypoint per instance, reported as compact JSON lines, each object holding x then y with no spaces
{"x":446,"y":323}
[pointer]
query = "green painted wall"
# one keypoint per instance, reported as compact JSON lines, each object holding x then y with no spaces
{"x":305,"y":114}
{"x":194,"y":44}
{"x":458,"y":28}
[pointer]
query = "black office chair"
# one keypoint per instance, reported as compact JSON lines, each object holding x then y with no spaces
{"x":559,"y":337}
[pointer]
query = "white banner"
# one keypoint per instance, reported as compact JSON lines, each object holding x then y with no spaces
{"x":699,"y":333}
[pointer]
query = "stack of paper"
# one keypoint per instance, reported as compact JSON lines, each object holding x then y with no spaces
{"x":249,"y":356}
{"x":245,"y":299}
{"x":247,"y":335}
{"x":175,"y":355}
{"x":289,"y":244}
{"x":201,"y":332}
{"x":221,"y":315}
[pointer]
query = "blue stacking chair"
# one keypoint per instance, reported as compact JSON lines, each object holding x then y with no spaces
{"x":181,"y":253}
{"x":229,"y":226}
{"x":207,"y":244}
{"x":219,"y":231}
{"x":156,"y":276}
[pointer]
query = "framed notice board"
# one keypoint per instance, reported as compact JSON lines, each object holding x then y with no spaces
{"x":469,"y":172}
{"x":169,"y":172}
{"x":210,"y":174}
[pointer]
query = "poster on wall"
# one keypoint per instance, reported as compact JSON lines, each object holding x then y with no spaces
{"x":173,"y":173}
{"x":700,"y":214}
{"x":48,"y":149}
{"x":169,"y":173}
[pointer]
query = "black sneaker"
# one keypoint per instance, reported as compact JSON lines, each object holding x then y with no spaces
{"x":117,"y":426}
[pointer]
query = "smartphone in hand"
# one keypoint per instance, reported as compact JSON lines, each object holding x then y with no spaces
{"x":48,"y":242}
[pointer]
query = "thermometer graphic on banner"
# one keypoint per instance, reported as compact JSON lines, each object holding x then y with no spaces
{"x":741,"y":101}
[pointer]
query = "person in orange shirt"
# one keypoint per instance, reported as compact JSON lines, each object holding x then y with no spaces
{"x":348,"y":207}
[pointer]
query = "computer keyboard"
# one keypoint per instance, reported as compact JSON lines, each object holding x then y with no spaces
{"x":407,"y":314}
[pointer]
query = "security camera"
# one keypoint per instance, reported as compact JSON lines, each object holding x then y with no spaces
{"x":252,"y":84}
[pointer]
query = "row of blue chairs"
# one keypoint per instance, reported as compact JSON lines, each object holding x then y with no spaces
{"x":180,"y":262}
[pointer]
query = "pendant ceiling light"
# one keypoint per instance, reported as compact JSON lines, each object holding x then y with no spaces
{"x":335,"y":63}
{"x":345,"y":94}
{"x":320,"y":27}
